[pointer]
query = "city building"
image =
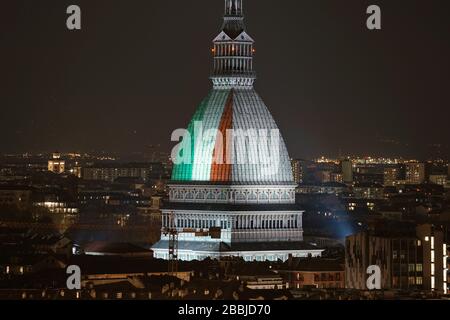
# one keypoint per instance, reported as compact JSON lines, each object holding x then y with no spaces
{"x":323,"y":176}
{"x":415,"y":173}
{"x":75,"y":169}
{"x":390,"y":176}
{"x":56,"y":205}
{"x":440,"y":179}
{"x":313,"y":273}
{"x":409,"y":260}
{"x":322,"y":188}
{"x":16,"y":196}
{"x":368,"y":178}
{"x":347,"y":171}
{"x":234,"y":197}
{"x":368,"y":191}
{"x":297,"y":170}
{"x":56,"y":164}
{"x":336,"y":177}
{"x":111,"y":171}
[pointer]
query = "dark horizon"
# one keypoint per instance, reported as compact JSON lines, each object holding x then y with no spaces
{"x":137,"y":71}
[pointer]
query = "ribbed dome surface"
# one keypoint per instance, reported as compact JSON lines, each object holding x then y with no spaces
{"x":258,"y":159}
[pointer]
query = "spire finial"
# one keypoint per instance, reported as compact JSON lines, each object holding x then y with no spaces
{"x":233,"y":51}
{"x":233,"y":8}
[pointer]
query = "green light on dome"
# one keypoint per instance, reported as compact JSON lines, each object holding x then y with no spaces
{"x":208,"y":114}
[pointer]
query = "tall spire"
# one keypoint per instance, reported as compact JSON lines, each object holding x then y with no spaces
{"x":233,"y":20}
{"x":233,"y":8}
{"x":233,"y":51}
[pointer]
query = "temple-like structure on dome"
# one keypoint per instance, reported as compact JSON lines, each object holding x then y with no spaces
{"x":235,"y":196}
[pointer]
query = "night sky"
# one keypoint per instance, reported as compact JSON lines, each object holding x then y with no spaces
{"x":138,"y":69}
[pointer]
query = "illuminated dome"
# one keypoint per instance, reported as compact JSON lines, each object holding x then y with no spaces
{"x":237,"y":109}
{"x":232,"y":191}
{"x":261,"y":158}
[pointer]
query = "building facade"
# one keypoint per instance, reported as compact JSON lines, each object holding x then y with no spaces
{"x":440,"y":179}
{"x":56,"y":164}
{"x":347,"y":171}
{"x":415,"y":173}
{"x":407,"y":262}
{"x":297,"y":170}
{"x":17,"y":196}
{"x":232,"y":191}
{"x":315,"y":273}
{"x":111,"y":171}
{"x":390,"y":176}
